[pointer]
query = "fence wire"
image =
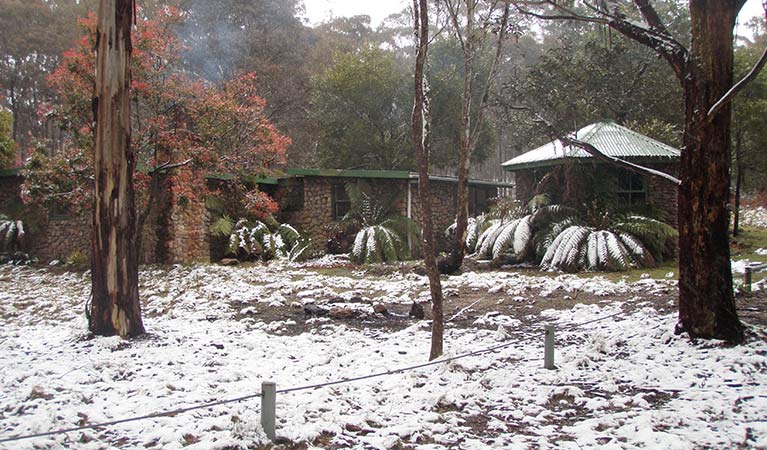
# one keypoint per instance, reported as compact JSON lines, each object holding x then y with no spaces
{"x":177,"y":411}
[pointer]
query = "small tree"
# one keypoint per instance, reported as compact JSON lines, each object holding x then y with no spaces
{"x":472,"y":27}
{"x":420,"y":127}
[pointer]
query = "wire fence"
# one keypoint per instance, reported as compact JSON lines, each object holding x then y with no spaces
{"x":528,"y":337}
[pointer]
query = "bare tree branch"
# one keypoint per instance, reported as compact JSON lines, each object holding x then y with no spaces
{"x":596,"y":153}
{"x":729,"y":95}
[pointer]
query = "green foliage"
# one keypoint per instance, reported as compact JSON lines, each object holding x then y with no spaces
{"x":594,"y":239}
{"x":383,"y":233}
{"x":378,"y":243}
{"x":749,"y":128}
{"x":7,"y":145}
{"x":222,"y":227}
{"x":77,"y":260}
{"x":362,"y":112}
{"x":251,"y":240}
{"x":623,"y":82}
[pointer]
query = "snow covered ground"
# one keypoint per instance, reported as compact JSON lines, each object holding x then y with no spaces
{"x":624,"y":382}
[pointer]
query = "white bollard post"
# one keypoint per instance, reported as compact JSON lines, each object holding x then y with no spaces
{"x":548,"y":361}
{"x":269,"y":408}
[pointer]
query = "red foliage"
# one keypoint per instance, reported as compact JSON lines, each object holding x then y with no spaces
{"x":175,"y":120}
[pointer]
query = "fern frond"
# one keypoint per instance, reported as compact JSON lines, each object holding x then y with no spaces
{"x":222,"y":227}
{"x":358,"y":250}
{"x":640,"y":255}
{"x":488,"y":240}
{"x":504,"y":240}
{"x":618,"y":255}
{"x":493,"y":225}
{"x":523,"y":236}
{"x":592,"y":252}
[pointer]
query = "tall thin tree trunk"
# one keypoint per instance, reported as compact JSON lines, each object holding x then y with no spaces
{"x":115,"y":308}
{"x":420,"y":128}
{"x":706,"y":303}
{"x":738,"y":181}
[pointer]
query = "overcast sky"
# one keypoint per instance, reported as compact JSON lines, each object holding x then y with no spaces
{"x":320,"y":10}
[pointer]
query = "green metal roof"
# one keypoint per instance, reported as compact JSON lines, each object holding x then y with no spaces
{"x":610,"y":138}
{"x":351,"y":173}
{"x":10,"y":172}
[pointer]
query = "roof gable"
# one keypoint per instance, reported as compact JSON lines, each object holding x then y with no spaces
{"x":610,"y":138}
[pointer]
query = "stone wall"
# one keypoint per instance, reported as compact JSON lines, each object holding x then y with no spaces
{"x":175,"y":232}
{"x":317,"y":210}
{"x":316,"y":215}
{"x":10,"y":194}
{"x":443,"y":206}
{"x":58,"y":239}
{"x":662,"y":194}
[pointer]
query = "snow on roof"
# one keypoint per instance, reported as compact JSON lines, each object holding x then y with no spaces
{"x":611,"y":138}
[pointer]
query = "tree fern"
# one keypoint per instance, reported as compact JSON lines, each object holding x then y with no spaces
{"x":12,"y":235}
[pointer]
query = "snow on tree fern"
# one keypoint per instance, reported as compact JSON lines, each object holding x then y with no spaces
{"x":504,"y":240}
{"x":359,"y":245}
{"x":523,"y":235}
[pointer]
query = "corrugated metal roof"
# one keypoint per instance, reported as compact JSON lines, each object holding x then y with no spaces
{"x":610,"y":138}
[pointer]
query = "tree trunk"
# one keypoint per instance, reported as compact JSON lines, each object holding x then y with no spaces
{"x":420,"y":128}
{"x":114,"y":268}
{"x":738,"y":181}
{"x":706,"y":302}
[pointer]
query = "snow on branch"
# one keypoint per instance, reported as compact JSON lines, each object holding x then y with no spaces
{"x":729,"y":95}
{"x":593,"y":151}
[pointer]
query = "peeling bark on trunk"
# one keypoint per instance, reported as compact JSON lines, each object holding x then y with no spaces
{"x":706,"y":302}
{"x":420,"y":128}
{"x":114,"y":269}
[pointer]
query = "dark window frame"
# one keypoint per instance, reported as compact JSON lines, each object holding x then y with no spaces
{"x":341,"y":203}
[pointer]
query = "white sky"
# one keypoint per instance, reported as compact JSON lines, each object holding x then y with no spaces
{"x":320,"y":10}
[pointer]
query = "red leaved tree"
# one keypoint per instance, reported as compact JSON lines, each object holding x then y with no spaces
{"x":183,"y":128}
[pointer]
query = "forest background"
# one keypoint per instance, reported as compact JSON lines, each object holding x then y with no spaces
{"x":340,"y":89}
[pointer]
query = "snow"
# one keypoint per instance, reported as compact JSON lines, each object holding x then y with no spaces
{"x":625,"y":382}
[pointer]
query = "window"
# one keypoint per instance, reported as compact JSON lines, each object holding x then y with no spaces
{"x":341,"y":202}
{"x":632,"y":188}
{"x":294,"y":197}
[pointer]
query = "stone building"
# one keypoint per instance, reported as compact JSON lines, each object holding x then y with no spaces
{"x":571,"y":175}
{"x":175,"y":232}
{"x":314,"y":199}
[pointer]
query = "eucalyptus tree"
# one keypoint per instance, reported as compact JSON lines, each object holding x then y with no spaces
{"x":704,"y":70}
{"x":115,"y":307}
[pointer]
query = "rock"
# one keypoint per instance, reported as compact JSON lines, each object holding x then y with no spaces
{"x":379,"y":308}
{"x":229,"y":262}
{"x":218,"y":346}
{"x":341,"y":313}
{"x":314,"y":310}
{"x":416,"y":311}
{"x":353,"y":428}
{"x":356,"y":299}
{"x":420,"y":270}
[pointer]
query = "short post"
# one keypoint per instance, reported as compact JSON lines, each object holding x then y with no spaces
{"x":548,"y":361}
{"x":747,"y":279}
{"x":269,"y":408}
